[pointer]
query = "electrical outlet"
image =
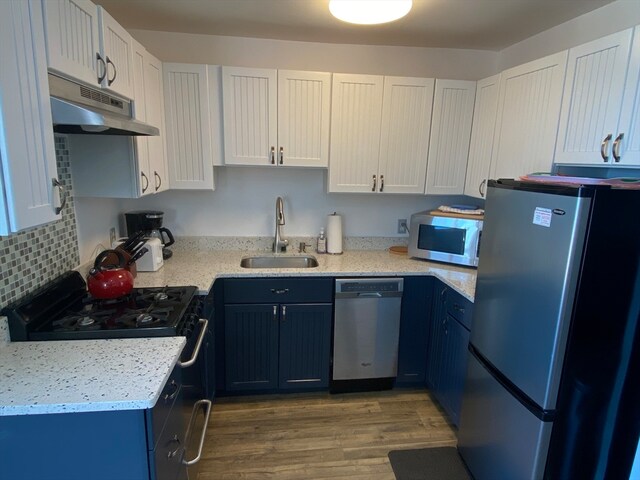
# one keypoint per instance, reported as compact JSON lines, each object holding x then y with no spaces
{"x":402,"y":225}
{"x":112,"y":236}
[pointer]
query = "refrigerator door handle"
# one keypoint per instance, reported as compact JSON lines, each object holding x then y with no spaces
{"x":523,"y":398}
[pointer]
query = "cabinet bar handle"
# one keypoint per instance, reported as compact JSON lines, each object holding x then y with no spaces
{"x":158,"y":180}
{"x":381,"y":182}
{"x":115,"y":72}
{"x":275,"y":312}
{"x":281,"y":156}
{"x":482,"y":184}
{"x":284,"y":313}
{"x":146,"y":179}
{"x":56,"y":183}
{"x":604,"y":146}
{"x":104,"y":68}
{"x":375,"y":183}
{"x":194,"y":355}
{"x":279,"y":291}
{"x":616,"y":147}
{"x":273,"y":155}
{"x":207,"y":412}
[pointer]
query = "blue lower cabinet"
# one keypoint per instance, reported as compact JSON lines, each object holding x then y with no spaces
{"x":448,"y":349}
{"x":414,"y":331}
{"x":251,"y":347}
{"x":305,"y":346}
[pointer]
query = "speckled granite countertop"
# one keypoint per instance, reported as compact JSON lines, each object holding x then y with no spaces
{"x":201,"y":267}
{"x":85,"y":376}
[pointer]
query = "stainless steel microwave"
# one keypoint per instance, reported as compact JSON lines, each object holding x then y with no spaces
{"x":445,"y":239}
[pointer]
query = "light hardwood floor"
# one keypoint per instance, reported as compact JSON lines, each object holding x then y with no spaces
{"x":319,"y":436}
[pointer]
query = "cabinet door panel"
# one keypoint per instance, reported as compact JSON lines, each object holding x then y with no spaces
{"x":481,"y":147}
{"x":140,"y":105}
{"x":528,"y":115}
{"x":629,"y":124}
{"x":189,"y":149}
{"x":592,"y":98}
{"x":250,"y":115}
{"x":356,"y":113}
{"x":404,"y":144}
{"x":251,"y":347}
{"x":450,"y":135}
{"x":72,"y":38}
{"x":304,"y":104}
{"x":27,"y":154}
{"x":305,"y":345}
{"x":454,"y":363}
{"x":153,"y":90}
{"x":436,"y":339}
{"x":116,"y":46}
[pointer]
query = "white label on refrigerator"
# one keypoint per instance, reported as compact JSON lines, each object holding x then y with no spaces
{"x":542,"y":217}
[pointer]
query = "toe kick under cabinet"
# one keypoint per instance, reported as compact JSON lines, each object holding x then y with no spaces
{"x":277,"y":334}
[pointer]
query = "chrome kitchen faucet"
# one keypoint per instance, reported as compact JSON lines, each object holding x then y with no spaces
{"x":279,"y":244}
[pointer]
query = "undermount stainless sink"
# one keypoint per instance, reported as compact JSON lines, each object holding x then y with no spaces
{"x":302,"y":261}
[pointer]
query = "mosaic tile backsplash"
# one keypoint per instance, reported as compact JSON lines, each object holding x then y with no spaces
{"x":31,"y":258}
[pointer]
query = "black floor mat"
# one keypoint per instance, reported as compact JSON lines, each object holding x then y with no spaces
{"x":442,"y":463}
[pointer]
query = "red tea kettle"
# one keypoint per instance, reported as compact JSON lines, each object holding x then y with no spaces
{"x":109,"y":281}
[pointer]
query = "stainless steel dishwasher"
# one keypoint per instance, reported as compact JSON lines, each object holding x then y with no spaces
{"x":366,"y":331}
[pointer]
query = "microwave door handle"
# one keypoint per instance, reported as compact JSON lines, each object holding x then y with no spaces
{"x":196,"y":351}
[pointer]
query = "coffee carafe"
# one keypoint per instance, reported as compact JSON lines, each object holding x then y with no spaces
{"x":150,"y":222}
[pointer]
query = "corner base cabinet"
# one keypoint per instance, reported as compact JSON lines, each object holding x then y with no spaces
{"x":283,"y":344}
{"x":448,"y":348}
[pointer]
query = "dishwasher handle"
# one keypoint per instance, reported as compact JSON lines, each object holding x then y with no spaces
{"x":370,"y":294}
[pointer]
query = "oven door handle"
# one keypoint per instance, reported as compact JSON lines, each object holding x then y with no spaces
{"x":207,"y":404}
{"x":196,"y":351}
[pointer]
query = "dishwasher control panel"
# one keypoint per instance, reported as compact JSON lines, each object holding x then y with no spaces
{"x":369,"y":285}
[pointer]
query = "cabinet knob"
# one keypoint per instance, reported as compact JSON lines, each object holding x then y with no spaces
{"x":616,"y":147}
{"x":604,"y":147}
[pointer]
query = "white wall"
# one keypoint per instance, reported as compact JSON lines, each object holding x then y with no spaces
{"x":611,"y":18}
{"x":265,"y":53}
{"x":94,"y":217}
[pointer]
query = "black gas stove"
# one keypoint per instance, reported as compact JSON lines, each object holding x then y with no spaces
{"x":64,"y":310}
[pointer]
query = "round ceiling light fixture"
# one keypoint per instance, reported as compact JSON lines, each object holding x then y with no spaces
{"x":369,"y":12}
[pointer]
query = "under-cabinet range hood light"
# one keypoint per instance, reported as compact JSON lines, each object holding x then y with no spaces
{"x":79,"y":109}
{"x":369,"y":12}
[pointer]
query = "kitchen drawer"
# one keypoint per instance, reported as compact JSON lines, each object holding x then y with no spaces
{"x":459,"y":307}
{"x":166,"y":459}
{"x":157,"y":416}
{"x":278,"y":290}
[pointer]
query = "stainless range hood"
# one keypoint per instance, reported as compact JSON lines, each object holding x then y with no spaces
{"x":79,"y":109}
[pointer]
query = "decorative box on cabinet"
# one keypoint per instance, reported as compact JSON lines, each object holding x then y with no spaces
{"x":528,"y":114}
{"x":481,"y":146}
{"x":84,"y":42}
{"x":28,"y":183}
{"x":192,"y":108}
{"x":379,"y":133}
{"x":450,"y":134}
{"x":276,"y":117}
{"x":121,"y":166}
{"x":600,"y":118}
{"x":448,"y":348}
{"x":283,"y":344}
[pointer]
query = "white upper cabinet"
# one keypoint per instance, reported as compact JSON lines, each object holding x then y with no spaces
{"x":593,"y":93}
{"x":629,"y":125}
{"x":191,"y":143}
{"x":404,"y":141}
{"x":276,"y":117}
{"x":84,"y":42}
{"x":304,"y":103}
{"x":481,"y":146}
{"x":155,"y":115}
{"x":528,"y":112}
{"x":250,"y":101}
{"x":28,"y":172}
{"x":116,"y":47}
{"x":72,"y":39}
{"x":450,"y":134}
{"x":356,"y":114}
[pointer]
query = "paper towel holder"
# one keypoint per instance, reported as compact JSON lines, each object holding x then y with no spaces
{"x":340,"y":229}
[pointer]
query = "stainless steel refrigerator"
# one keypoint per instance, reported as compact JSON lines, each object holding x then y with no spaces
{"x":553,"y":380}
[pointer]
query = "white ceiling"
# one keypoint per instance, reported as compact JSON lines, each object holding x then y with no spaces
{"x":474,"y":24}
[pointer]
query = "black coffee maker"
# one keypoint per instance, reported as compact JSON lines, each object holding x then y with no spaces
{"x":150,"y":222}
